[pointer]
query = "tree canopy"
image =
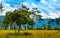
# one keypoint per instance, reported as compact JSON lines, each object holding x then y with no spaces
{"x":20,"y":16}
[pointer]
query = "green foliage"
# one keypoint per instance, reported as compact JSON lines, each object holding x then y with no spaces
{"x":20,"y":16}
{"x":58,"y":20}
{"x":48,"y":27}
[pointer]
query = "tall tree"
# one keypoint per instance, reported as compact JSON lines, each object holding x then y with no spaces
{"x":48,"y":27}
{"x":35,"y":16}
{"x":21,"y":16}
{"x":57,"y":22}
{"x":1,"y":7}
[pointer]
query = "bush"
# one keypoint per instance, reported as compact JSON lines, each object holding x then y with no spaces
{"x":56,"y":29}
{"x":27,"y":33}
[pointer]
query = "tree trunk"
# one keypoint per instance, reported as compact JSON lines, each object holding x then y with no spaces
{"x":9,"y":26}
{"x":56,"y":27}
{"x":19,"y":29}
{"x":47,"y":27}
{"x":26,"y":26}
{"x":14,"y":26}
{"x":34,"y":18}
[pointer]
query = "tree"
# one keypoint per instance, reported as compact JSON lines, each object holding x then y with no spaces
{"x":1,"y":7}
{"x":29,"y":22}
{"x":35,"y":16}
{"x":48,"y":24}
{"x":57,"y":22}
{"x":26,"y":11}
{"x":19,"y":17}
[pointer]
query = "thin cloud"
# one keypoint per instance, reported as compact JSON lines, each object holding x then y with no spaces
{"x":45,"y":6}
{"x":7,"y":8}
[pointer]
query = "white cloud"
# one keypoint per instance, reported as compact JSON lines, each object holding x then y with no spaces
{"x":54,"y":15}
{"x":44,"y":15}
{"x":49,"y":7}
{"x":29,"y":5}
{"x":32,"y":5}
{"x":55,"y":0}
{"x":0,"y":0}
{"x":26,"y":4}
{"x":43,"y":1}
{"x":50,"y":15}
{"x":7,"y":7}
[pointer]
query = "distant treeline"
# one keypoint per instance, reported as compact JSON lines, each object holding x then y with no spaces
{"x":30,"y":27}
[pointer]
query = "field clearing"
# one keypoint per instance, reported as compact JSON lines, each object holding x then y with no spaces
{"x":34,"y":34}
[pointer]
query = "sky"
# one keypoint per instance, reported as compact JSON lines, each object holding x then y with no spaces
{"x":47,"y":7}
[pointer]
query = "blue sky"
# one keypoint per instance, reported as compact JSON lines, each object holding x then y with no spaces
{"x":47,"y":7}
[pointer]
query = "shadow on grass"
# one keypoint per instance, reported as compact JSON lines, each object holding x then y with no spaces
{"x":19,"y":34}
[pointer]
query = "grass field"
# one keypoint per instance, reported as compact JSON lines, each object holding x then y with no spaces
{"x":33,"y":34}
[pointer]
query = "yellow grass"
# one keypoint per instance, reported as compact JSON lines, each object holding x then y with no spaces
{"x":35,"y":34}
